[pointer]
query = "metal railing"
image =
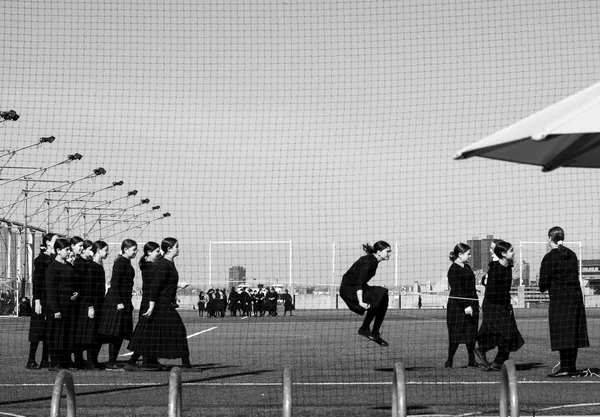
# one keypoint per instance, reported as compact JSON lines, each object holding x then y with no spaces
{"x":64,"y":378}
{"x":508,"y":390}
{"x":399,"y":408}
{"x":175,"y":398}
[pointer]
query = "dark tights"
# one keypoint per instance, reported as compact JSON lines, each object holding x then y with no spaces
{"x":113,"y":350}
{"x":453,"y":347}
{"x":568,"y":359}
{"x":33,"y":346}
{"x":377,"y":314}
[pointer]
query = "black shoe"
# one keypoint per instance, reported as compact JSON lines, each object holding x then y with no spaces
{"x":32,"y":365}
{"x":56,"y":368}
{"x":494,"y":367}
{"x":379,"y":340}
{"x":448,"y":364}
{"x":44,"y":364}
{"x":113,"y":367}
{"x":366,"y":333}
{"x":475,"y":365}
{"x":562,"y":374}
{"x":481,"y":357}
{"x":133,"y":368}
{"x":94,"y":366}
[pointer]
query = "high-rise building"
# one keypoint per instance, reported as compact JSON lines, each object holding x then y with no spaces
{"x":237,"y":276}
{"x":480,"y":252}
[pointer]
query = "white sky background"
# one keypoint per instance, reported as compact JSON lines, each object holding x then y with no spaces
{"x":315,"y":122}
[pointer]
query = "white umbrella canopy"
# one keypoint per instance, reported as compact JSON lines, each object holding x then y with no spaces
{"x":565,"y":134}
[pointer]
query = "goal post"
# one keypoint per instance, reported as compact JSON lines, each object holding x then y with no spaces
{"x":537,"y":260}
{"x":212,"y":243}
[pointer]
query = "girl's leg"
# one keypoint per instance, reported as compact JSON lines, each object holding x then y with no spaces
{"x":452,"y":348}
{"x":380,"y":313}
{"x":471,"y":354}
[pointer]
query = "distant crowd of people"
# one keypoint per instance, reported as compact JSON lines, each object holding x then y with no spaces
{"x":7,"y":303}
{"x":243,"y":302}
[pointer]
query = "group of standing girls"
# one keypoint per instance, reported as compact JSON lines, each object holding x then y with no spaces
{"x":72,"y":314}
{"x":559,"y":275}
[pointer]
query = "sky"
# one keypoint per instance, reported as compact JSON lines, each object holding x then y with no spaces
{"x":325,"y":123}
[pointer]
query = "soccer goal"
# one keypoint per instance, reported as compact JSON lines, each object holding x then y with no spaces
{"x":254,"y":262}
{"x":530,"y":260}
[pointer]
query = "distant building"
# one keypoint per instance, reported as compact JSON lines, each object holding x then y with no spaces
{"x":590,"y":271}
{"x":480,"y":252}
{"x":237,"y":276}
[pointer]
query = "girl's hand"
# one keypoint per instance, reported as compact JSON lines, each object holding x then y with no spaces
{"x":120,"y":306}
{"x":364,"y":305}
{"x":469,"y":311}
{"x":91,"y":312}
{"x":57,"y":315}
{"x":74,"y":296}
{"x":147,"y":313}
{"x":38,"y":307}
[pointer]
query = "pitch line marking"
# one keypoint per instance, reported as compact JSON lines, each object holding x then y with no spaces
{"x":203,"y":331}
{"x":11,"y":415}
{"x":189,"y":337}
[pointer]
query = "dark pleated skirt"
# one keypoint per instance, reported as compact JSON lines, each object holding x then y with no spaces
{"x":115,"y":324}
{"x":499,"y":328}
{"x":59,"y":332}
{"x":37,"y":327}
{"x":371,"y":295}
{"x":161,"y":336}
{"x":462,"y":328}
{"x":86,"y":334}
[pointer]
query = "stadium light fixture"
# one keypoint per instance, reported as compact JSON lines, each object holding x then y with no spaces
{"x":9,"y":115}
{"x":48,"y":139}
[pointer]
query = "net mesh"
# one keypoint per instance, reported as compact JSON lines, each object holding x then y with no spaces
{"x":326,"y":124}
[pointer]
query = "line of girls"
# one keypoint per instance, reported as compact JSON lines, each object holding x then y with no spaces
{"x":72,"y":314}
{"x":559,"y":275}
{"x":244,"y":302}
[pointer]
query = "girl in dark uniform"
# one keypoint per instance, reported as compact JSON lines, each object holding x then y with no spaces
{"x":361,"y":297}
{"x":59,"y":296}
{"x":499,"y":327}
{"x":462,"y":314}
{"x":169,"y":338}
{"x":144,"y":328}
{"x":80,"y":263}
{"x":37,"y":326}
{"x":94,"y":289}
{"x":559,"y":275}
{"x":116,"y":322}
{"x":288,"y":303}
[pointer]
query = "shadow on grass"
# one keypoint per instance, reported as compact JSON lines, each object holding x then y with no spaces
{"x":528,"y":366}
{"x":143,"y":387}
{"x":407,"y":369}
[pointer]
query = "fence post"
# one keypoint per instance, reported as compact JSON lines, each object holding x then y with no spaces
{"x":399,"y":408}
{"x":175,"y":398}
{"x":508,"y":390}
{"x":287,"y":392}
{"x":65,"y":378}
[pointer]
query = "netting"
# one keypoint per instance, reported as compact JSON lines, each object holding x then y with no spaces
{"x":325,"y":124}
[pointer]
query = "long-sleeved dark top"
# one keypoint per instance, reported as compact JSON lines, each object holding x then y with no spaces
{"x":559,"y":275}
{"x":59,"y":286}
{"x":499,"y":281}
{"x":164,"y":285}
{"x":40,"y":264}
{"x":462,"y":285}
{"x":361,"y":271}
{"x":121,"y":281}
{"x":94,"y":286}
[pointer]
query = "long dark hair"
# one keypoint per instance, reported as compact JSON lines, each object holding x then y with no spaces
{"x":167,"y":244}
{"x":148,"y":248}
{"x":377,"y":246}
{"x":557,"y":235}
{"x":458,"y":249}
{"x":501,"y":247}
{"x":46,"y":238}
{"x":99,"y":244}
